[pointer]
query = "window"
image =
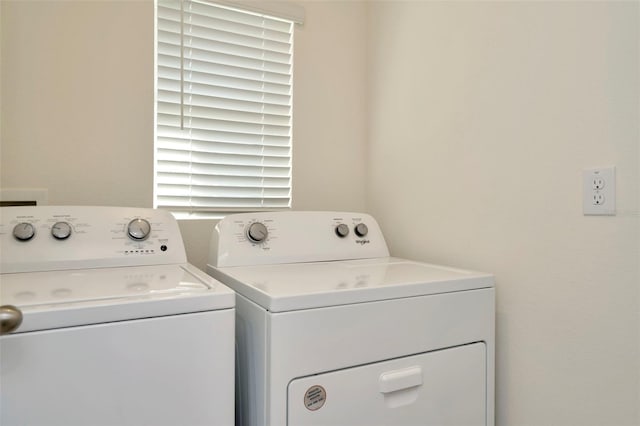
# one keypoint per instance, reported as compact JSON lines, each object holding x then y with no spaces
{"x":223,"y":109}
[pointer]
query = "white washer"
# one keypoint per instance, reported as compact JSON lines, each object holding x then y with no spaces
{"x":332,"y":331}
{"x":117,"y":328}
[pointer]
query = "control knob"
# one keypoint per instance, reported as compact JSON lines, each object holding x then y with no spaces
{"x":61,"y":230}
{"x":139,"y":229}
{"x":342,"y":230}
{"x":361,"y":230}
{"x":257,"y":232}
{"x":24,"y":231}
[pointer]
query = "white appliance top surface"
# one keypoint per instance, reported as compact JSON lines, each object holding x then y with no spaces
{"x":287,"y":287}
{"x":56,"y":299}
{"x":50,"y":238}
{"x":64,"y":266}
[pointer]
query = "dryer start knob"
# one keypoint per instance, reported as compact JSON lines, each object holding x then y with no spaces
{"x":257,"y":232}
{"x":361,"y":230}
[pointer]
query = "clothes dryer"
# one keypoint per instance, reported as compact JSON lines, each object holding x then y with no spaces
{"x":332,"y":331}
{"x":105,"y":323}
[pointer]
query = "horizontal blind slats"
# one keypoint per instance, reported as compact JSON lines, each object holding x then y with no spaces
{"x":226,"y":181}
{"x":169,"y":21}
{"x":170,"y":65}
{"x":222,"y":159}
{"x":173,"y":98}
{"x":226,"y":81}
{"x":172,"y":48}
{"x":174,"y":132}
{"x":210,"y":124}
{"x":223,"y":112}
{"x":222,"y":169}
{"x":165,"y":85}
{"x":232,"y":204}
{"x":191,"y":145}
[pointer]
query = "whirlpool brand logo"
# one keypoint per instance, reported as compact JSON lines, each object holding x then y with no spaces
{"x":362,"y":242}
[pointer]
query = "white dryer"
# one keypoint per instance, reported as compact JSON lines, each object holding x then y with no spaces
{"x":331,"y":331}
{"x":105,"y":323}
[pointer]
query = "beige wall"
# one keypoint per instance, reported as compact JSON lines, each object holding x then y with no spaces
{"x":483,"y":115}
{"x":77,"y":100}
{"x":77,"y":106}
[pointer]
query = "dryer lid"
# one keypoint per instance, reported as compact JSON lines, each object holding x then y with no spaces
{"x":88,"y":296}
{"x":288,"y":287}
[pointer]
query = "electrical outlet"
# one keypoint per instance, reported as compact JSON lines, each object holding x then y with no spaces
{"x":598,"y":199}
{"x":597,"y":182}
{"x":599,"y":191}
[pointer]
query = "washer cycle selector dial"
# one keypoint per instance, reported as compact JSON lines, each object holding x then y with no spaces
{"x":139,"y":229}
{"x":361,"y":230}
{"x":342,"y":230}
{"x":61,"y":230}
{"x":257,"y":232}
{"x":24,"y":231}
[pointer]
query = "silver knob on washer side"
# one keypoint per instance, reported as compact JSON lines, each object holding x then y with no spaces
{"x":139,"y":229}
{"x":24,"y":231}
{"x":10,"y":318}
{"x":257,"y":232}
{"x":342,"y":230}
{"x":361,"y":230}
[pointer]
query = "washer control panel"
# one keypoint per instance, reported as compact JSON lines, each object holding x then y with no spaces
{"x":291,"y":237}
{"x":46,"y":238}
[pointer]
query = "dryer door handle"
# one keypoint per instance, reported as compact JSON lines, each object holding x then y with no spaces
{"x":10,"y":318}
{"x":392,"y":381}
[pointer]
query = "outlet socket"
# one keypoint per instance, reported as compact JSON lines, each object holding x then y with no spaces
{"x":597,"y":183}
{"x":599,"y":191}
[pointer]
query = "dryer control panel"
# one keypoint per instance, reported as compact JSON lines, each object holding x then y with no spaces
{"x":48,"y":238}
{"x":292,"y":237}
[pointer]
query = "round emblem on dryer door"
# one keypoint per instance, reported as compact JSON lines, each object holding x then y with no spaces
{"x":315,"y":397}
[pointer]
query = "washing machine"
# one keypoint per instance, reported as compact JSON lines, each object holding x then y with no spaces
{"x":332,"y":331}
{"x":105,"y":323}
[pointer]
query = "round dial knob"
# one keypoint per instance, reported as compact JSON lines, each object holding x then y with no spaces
{"x":257,"y":232}
{"x":61,"y":230}
{"x":361,"y":230}
{"x":24,"y":231}
{"x":342,"y":230}
{"x":139,"y":229}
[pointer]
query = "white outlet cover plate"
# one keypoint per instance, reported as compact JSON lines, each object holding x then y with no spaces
{"x":606,"y":193}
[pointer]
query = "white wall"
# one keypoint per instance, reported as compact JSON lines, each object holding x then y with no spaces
{"x":77,"y":106}
{"x":483,"y":115}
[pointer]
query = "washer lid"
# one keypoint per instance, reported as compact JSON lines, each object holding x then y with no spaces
{"x":89,"y":296}
{"x":288,"y":287}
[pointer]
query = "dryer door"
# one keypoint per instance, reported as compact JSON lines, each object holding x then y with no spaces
{"x":444,"y":388}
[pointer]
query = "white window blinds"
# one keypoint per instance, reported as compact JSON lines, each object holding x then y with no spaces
{"x":223,"y":109}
